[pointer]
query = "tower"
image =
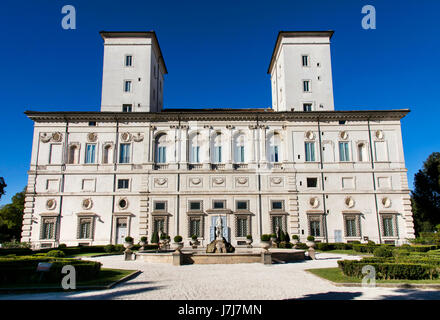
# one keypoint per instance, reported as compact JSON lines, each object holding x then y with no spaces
{"x":300,"y":70}
{"x":133,"y":72}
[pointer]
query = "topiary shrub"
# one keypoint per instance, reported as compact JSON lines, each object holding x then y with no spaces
{"x":178,"y":239}
{"x":194,"y":237}
{"x":302,"y":246}
{"x":109,"y":248}
{"x":265,"y":237}
{"x":62,"y":246}
{"x":383,"y":252}
{"x":144,"y":239}
{"x":129,"y":239}
{"x":295,"y":237}
{"x":55,"y":253}
{"x":322,"y":246}
{"x":249,"y":237}
{"x":155,"y":237}
{"x":310,"y":238}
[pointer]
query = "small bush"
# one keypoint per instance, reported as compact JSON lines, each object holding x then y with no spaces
{"x":56,"y":253}
{"x":178,"y":239}
{"x":310,"y":238}
{"x":129,"y":239}
{"x":265,"y":237}
{"x":295,"y":237}
{"x":144,"y":239}
{"x":62,"y":246}
{"x":273,"y":235}
{"x":322,"y":246}
{"x":194,"y":237}
{"x":302,"y":246}
{"x":249,"y":237}
{"x":155,"y":237}
{"x":109,"y":248}
{"x":383,"y":252}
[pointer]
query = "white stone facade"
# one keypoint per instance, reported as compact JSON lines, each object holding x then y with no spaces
{"x":96,"y":177}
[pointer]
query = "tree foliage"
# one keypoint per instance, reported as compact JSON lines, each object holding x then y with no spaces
{"x":11,"y":218}
{"x":3,"y":185}
{"x":426,"y":195}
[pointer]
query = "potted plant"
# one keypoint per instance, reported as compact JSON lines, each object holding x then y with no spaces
{"x":295,"y":239}
{"x":178,"y":244}
{"x":195,"y":241}
{"x":249,"y":240}
{"x":310,"y":241}
{"x":143,"y":242}
{"x":128,"y":242}
{"x":265,"y":241}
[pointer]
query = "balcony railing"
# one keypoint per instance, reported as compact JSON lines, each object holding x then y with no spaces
{"x":195,"y":166}
{"x":161,"y":166}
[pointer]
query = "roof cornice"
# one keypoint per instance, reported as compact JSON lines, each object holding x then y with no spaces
{"x":216,"y":115}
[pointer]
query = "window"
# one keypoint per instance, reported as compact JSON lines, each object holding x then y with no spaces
{"x":85,"y":228}
{"x":277,"y":223}
{"x":159,"y":224}
{"x":195,"y":205}
{"x":90,"y":153}
{"x":127,"y":86}
{"x":219,"y":204}
{"x":123,"y":183}
{"x":305,"y":61}
{"x":307,"y":107}
{"x":362,"y":152}
{"x":351,"y":227}
{"x":126,"y":108}
{"x":160,"y":206}
{"x":161,"y":149}
{"x":47,"y":228}
{"x":312,"y":182}
{"x":124,"y":153}
{"x":128,"y":61}
{"x":194,"y":155}
{"x":310,"y":151}
{"x":217,"y":154}
{"x":239,"y":148}
{"x":388,"y":226}
{"x":242,"y":226}
{"x":277,"y":205}
{"x":122,"y":204}
{"x":92,"y":123}
{"x":306,"y":85}
{"x":73,"y":154}
{"x":107,"y":156}
{"x":315,"y":228}
{"x":343,"y":151}
{"x":274,"y":148}
{"x":242,"y":205}
{"x":195,"y":226}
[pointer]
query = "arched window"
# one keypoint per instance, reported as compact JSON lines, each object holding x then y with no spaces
{"x":274,"y":147}
{"x":161,"y":149}
{"x":73,"y":154}
{"x":217,"y":148}
{"x":194,"y":149}
{"x":107,"y":156}
{"x":239,"y":142}
{"x":362,"y":152}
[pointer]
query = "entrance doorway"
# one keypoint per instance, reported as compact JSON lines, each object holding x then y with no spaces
{"x":121,"y":230}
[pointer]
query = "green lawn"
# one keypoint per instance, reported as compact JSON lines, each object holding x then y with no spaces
{"x":105,"y":278}
{"x":349,"y":252}
{"x":336,"y":275}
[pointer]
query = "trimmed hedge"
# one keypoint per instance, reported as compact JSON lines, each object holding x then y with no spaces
{"x":23,"y":269}
{"x":387,"y":271}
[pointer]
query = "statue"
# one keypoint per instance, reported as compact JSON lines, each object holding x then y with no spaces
{"x":219,"y":229}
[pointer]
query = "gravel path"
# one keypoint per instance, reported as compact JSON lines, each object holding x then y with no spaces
{"x":234,"y":281}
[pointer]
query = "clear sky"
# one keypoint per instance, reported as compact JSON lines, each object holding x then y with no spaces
{"x":217,"y":54}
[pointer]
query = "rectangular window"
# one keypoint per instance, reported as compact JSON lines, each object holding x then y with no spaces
{"x":124,"y":153}
{"x":310,"y":151}
{"x":277,"y":205}
{"x":128,"y":61}
{"x":218,"y":154}
{"x":219,"y":204}
{"x":195,"y":154}
{"x":127,"y":86}
{"x":274,"y":155}
{"x":92,"y":123}
{"x":160,"y":206}
{"x":195,"y":205}
{"x":315,"y":228}
{"x":242,"y":226}
{"x":350,"y":227}
{"x":343,"y":151}
{"x":123,"y":183}
{"x":312,"y":182}
{"x":277,"y":223}
{"x":161,"y":154}
{"x":126,"y":108}
{"x":305,"y":61}
{"x":306,"y":85}
{"x":159,"y":225}
{"x":388,"y":226}
{"x":90,"y":153}
{"x":85,"y":228}
{"x":195,"y":227}
{"x":307,"y":107}
{"x":242,"y":205}
{"x":240,"y":154}
{"x":48,"y":229}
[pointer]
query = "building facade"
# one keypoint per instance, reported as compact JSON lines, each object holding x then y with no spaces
{"x":134,"y":168}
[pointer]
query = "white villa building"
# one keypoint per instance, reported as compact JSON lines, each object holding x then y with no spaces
{"x":135,"y":167}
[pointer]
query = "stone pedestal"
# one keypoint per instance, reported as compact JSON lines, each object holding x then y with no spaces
{"x":266,"y":257}
{"x":312,"y":253}
{"x":177,"y":258}
{"x":128,"y":255}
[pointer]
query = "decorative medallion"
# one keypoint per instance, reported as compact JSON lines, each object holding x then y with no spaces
{"x":379,"y":134}
{"x":51,"y":204}
{"x":57,"y":136}
{"x":44,"y":137}
{"x":92,"y":137}
{"x":219,"y":180}
{"x":314,"y":202}
{"x":242,"y":180}
{"x":276,"y":180}
{"x":160,"y":181}
{"x":138,"y":137}
{"x":87,"y":204}
{"x":196,"y":181}
{"x":349,"y":202}
{"x":125,"y":137}
{"x":123,"y":203}
{"x":343,"y":135}
{"x":386,"y":202}
{"x":310,"y":135}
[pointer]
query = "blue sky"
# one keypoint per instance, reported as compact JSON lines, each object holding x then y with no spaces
{"x":217,"y":54}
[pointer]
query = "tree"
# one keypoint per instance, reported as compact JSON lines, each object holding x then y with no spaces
{"x":11,"y":218}
{"x":3,"y":185}
{"x":426,"y":195}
